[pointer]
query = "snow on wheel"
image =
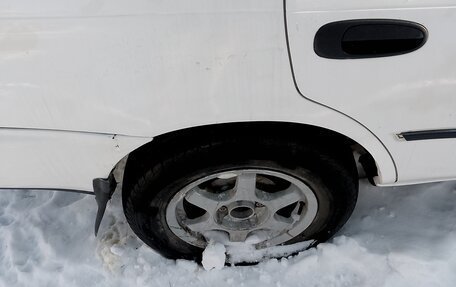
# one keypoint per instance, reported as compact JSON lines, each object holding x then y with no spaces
{"x":258,"y":196}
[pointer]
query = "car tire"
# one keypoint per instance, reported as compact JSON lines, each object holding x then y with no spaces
{"x":328,"y":172}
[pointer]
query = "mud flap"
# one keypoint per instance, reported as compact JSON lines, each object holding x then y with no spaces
{"x":103,"y":189}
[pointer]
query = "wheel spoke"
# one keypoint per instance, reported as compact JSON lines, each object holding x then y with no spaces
{"x":277,"y":223}
{"x":246,"y":186}
{"x":296,"y":214}
{"x":203,"y":200}
{"x":238,"y":235}
{"x":200,"y":224}
{"x":283,"y":198}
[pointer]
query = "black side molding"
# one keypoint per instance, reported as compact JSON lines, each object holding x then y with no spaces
{"x":428,"y":135}
{"x":369,"y":38}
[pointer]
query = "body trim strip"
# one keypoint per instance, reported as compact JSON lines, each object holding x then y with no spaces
{"x":428,"y":135}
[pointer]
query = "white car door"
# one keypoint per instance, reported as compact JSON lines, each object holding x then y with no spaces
{"x":392,"y":94}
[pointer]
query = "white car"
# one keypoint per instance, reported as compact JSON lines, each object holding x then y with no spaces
{"x":240,"y":122}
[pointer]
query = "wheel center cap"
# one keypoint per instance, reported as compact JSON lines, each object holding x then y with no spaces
{"x":241,"y":212}
{"x":241,"y":215}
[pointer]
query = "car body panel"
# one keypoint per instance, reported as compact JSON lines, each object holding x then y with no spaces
{"x":140,"y":69}
{"x":390,"y":95}
{"x":60,"y":159}
{"x":362,"y":5}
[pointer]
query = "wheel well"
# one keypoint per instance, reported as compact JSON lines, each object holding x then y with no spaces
{"x":342,"y":146}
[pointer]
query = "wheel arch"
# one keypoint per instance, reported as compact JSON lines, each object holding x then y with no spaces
{"x":344,"y":146}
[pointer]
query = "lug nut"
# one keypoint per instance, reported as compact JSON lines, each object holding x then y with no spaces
{"x":223,"y":209}
{"x":257,"y":204}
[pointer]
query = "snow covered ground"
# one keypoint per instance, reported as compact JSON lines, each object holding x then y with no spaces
{"x":396,"y":237}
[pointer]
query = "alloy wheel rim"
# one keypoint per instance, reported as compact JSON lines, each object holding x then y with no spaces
{"x":245,"y":206}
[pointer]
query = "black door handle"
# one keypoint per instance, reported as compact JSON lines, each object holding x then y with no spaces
{"x":370,"y":38}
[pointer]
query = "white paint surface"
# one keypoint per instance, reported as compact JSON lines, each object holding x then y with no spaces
{"x":143,"y":68}
{"x":389,"y":95}
{"x":65,"y":160}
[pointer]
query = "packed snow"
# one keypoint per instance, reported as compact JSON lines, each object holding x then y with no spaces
{"x":396,"y":237}
{"x":214,"y":256}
